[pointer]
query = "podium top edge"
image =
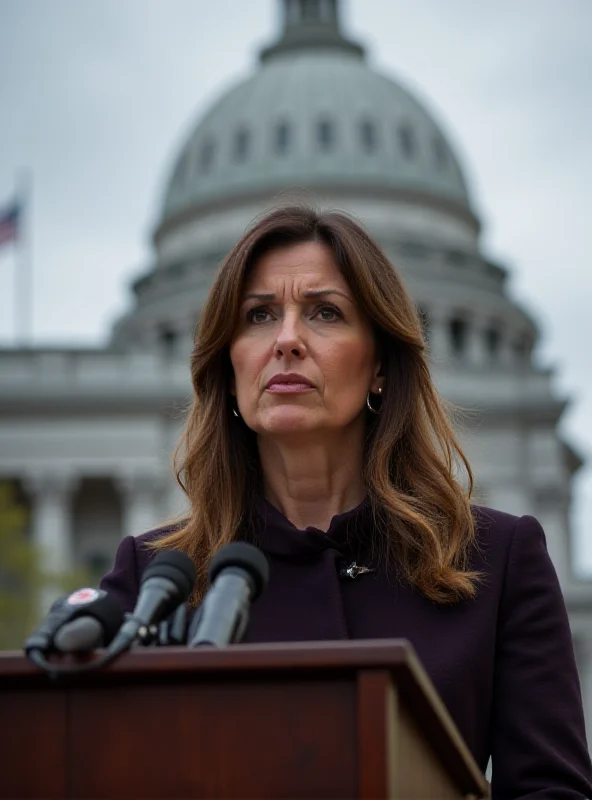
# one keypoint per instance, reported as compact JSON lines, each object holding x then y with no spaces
{"x":283,"y":656}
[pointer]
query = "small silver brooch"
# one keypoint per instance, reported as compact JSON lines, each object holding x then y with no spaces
{"x":353,"y":570}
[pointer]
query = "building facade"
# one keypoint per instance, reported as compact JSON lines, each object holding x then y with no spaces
{"x":87,"y":435}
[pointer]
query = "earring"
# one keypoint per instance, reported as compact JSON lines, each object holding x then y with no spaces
{"x":235,"y":412}
{"x":368,"y":403}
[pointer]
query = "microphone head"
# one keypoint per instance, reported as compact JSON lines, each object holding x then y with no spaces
{"x":107,"y":611}
{"x":81,"y":635}
{"x":245,"y":556}
{"x":174,"y":565}
{"x":83,"y":603}
{"x":94,"y":624}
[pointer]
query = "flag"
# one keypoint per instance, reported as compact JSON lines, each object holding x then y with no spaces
{"x":9,"y":223}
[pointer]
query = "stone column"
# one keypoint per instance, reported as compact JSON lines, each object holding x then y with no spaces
{"x":439,"y":348}
{"x":51,"y":518}
{"x":551,"y":510}
{"x":476,"y":343}
{"x":143,"y":501}
{"x":51,"y":525}
{"x":505,"y":355}
{"x":187,"y":330}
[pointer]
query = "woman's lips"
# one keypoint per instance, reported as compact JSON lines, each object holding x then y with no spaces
{"x":289,"y":388}
{"x":288,"y":383}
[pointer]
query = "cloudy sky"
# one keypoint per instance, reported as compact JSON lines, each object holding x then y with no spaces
{"x":96,"y":96}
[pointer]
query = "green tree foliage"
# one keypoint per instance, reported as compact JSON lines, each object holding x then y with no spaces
{"x":23,"y":580}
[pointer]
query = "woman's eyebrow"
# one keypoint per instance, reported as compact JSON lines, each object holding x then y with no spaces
{"x":322,"y":292}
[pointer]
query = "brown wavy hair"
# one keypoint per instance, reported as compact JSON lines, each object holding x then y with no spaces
{"x":423,"y":526}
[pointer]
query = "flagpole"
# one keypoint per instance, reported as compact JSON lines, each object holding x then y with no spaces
{"x":23,"y":264}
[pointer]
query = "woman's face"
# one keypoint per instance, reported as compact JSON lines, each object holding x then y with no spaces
{"x":303,"y":355}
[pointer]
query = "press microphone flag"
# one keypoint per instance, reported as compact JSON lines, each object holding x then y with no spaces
{"x":238,"y":573}
{"x":94,"y":615}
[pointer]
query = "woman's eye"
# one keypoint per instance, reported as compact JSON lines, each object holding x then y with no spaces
{"x":257,"y":315}
{"x":328,"y":313}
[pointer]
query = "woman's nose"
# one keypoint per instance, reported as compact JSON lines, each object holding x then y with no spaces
{"x":290,"y":340}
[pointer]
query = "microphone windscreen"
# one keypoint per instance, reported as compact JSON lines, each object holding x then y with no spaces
{"x":109,"y":613}
{"x":174,"y":565}
{"x":94,"y":625}
{"x":242,"y":555}
{"x":79,"y":636}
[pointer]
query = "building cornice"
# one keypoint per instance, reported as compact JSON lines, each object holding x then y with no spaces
{"x":285,"y":194}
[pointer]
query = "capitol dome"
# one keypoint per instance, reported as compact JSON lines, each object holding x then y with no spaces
{"x":314,"y":115}
{"x":315,"y":120}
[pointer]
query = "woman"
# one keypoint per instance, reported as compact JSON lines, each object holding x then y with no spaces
{"x":316,"y":433}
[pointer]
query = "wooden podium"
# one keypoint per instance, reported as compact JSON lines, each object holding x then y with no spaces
{"x":308,"y":720}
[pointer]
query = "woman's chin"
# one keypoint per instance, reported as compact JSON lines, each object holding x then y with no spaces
{"x":287,"y":420}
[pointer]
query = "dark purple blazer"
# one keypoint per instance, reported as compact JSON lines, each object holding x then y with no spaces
{"x":503,"y":663}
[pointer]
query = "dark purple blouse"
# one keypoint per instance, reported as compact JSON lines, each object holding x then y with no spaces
{"x":502,"y":663}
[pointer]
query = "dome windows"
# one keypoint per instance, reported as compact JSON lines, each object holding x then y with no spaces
{"x":325,"y":134}
{"x":368,"y":136}
{"x":281,"y":141}
{"x":241,"y":145}
{"x":281,"y":138}
{"x":361,"y":139}
{"x":406,"y":140}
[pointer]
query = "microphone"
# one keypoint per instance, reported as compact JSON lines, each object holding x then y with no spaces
{"x":173,"y":630}
{"x":238,"y":573}
{"x":167,"y":582}
{"x":95,"y":627}
{"x":82,"y":609}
